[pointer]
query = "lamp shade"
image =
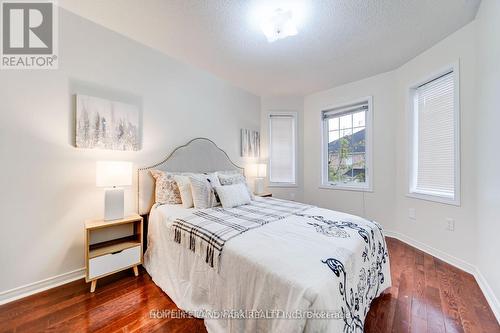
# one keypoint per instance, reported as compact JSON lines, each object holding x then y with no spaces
{"x":113,"y":173}
{"x":261,"y":170}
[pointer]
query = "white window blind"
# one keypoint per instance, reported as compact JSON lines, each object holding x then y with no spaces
{"x":434,"y":138}
{"x":282,"y":140}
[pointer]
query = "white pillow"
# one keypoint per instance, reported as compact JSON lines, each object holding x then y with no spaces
{"x":202,"y":188}
{"x":184,"y":185}
{"x":234,"y":178}
{"x":233,"y":195}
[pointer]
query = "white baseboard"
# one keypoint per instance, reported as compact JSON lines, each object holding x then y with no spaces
{"x":488,"y":294}
{"x":36,"y":287}
{"x":454,"y":261}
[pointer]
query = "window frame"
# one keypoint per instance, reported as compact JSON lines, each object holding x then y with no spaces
{"x":412,"y":139}
{"x":294,"y":115}
{"x":368,"y":185}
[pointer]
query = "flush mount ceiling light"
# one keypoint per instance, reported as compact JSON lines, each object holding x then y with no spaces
{"x":278,"y":19}
{"x":278,"y":25}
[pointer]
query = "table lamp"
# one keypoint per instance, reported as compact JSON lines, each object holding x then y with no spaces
{"x":112,"y":175}
{"x":259,"y":180}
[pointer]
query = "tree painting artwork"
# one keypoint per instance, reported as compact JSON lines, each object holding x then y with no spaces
{"x":250,"y":143}
{"x":105,"y":124}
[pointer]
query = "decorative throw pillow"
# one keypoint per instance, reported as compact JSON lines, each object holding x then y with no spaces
{"x":233,"y":195}
{"x":234,"y":178}
{"x":184,"y":185}
{"x":230,"y":179}
{"x":166,"y":189}
{"x":202,"y":187}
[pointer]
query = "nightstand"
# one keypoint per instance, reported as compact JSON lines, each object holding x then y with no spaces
{"x":263,"y":195}
{"x":112,"y":246}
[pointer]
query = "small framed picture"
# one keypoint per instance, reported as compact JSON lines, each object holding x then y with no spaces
{"x":250,"y":143}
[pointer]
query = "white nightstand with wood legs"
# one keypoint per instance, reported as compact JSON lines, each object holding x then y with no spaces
{"x":104,"y":255}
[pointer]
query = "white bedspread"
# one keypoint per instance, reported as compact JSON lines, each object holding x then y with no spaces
{"x":325,"y":263}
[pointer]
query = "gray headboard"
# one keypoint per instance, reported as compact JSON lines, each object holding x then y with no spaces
{"x":198,"y":155}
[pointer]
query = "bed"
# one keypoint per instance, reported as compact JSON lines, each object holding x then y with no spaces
{"x":308,"y":270}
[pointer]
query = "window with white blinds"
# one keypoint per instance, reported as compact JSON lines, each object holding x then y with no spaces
{"x":434,"y":166}
{"x":282,"y":148}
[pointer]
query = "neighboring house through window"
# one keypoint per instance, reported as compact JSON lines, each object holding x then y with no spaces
{"x":347,"y":146}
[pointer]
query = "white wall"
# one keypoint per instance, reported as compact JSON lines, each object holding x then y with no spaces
{"x":430,"y":224}
{"x":487,"y":156}
{"x":284,"y":103}
{"x":48,"y":186}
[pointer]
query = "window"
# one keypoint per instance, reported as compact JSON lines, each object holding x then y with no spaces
{"x":434,"y":151}
{"x":347,"y":146}
{"x":282,"y":148}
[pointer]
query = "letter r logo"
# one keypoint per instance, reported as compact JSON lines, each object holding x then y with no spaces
{"x":27,"y":27}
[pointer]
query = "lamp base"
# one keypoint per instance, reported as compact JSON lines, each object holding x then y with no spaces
{"x":259,"y":185}
{"x":113,"y":204}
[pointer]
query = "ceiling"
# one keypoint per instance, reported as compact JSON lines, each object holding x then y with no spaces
{"x":339,"y":41}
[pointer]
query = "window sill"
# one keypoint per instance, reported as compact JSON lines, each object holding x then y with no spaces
{"x":434,"y":198}
{"x":287,"y":185}
{"x":346,"y":188}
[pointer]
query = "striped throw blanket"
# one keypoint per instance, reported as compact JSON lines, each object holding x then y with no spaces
{"x":207,"y":230}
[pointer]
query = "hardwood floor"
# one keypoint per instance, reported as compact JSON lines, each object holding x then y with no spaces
{"x":427,"y":295}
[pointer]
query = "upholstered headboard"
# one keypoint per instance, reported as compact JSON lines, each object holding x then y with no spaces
{"x":198,"y":155}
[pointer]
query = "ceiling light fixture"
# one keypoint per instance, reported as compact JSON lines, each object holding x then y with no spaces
{"x":278,"y":25}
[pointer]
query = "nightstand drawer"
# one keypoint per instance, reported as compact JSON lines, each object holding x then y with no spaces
{"x":113,"y":262}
